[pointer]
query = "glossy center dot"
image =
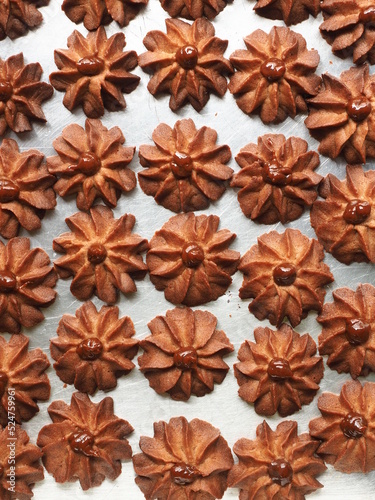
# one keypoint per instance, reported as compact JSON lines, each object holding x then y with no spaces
{"x":279,"y":369}
{"x":89,"y":163}
{"x":276,"y":174}
{"x":82,"y":442}
{"x":284,"y":274}
{"x":184,"y":474}
{"x":96,"y":253}
{"x":90,"y":349}
{"x":357,"y":332}
{"x":185,"y":358}
{"x":358,"y":108}
{"x":273,"y":69}
{"x":9,"y":191}
{"x":367,"y":15}
{"x":353,"y":425}
{"x":357,"y":211}
{"x":181,"y":165}
{"x":3,"y":383}
{"x":192,"y":255}
{"x":8,"y":282}
{"x":187,"y":57}
{"x":6,"y":91}
{"x":90,"y":66}
{"x":280,"y":471}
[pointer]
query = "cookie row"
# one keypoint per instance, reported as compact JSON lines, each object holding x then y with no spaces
{"x":185,"y":170}
{"x":274,"y":77}
{"x":183,"y":356}
{"x":188,"y":258}
{"x":349,"y":34}
{"x":88,"y":442}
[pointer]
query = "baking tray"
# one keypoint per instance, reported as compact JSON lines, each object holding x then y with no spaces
{"x":134,"y":399}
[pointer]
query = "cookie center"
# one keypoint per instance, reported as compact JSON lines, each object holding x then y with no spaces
{"x":273,"y":69}
{"x":8,"y":282}
{"x":96,"y":253}
{"x":3,"y":383}
{"x":185,"y":358}
{"x":184,"y":474}
{"x":187,"y":57}
{"x":367,"y":15}
{"x":90,"y":349}
{"x":82,"y":442}
{"x":279,"y":369}
{"x":280,"y":471}
{"x":9,"y":191}
{"x":89,"y":163}
{"x":276,"y":174}
{"x":353,"y":425}
{"x":357,"y":211}
{"x":192,"y":255}
{"x":284,"y":274}
{"x":181,"y":165}
{"x":6,"y":91}
{"x":358,"y":108}
{"x":357,"y":331}
{"x":90,"y":66}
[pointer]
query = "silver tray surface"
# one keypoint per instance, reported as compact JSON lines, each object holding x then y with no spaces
{"x":134,"y":399}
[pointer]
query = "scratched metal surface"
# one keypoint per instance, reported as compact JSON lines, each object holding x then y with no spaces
{"x":134,"y":400}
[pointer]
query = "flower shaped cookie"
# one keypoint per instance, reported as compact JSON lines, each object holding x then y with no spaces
{"x":183,"y":460}
{"x":183,"y":355}
{"x":346,"y":428}
{"x":94,"y":72}
{"x":285,"y":275}
{"x":101,"y":253}
{"x":345,"y":221}
{"x":274,"y":75}
{"x":86,"y":441}
{"x":92,"y":163}
{"x":290,"y":11}
{"x":193,"y":10}
{"x":277,"y":464}
{"x":187,"y":62}
{"x":342,"y":115}
{"x":93,"y":13}
{"x":279,"y":372}
{"x":25,"y":189}
{"x":190,"y":260}
{"x":277,"y":179}
{"x":348,"y":334}
{"x":26,"y":463}
{"x":349,"y":28}
{"x":186,"y":169}
{"x":22,"y":374}
{"x":94,"y":348}
{"x":17,"y":17}
{"x":21,"y":94}
{"x":26,"y":284}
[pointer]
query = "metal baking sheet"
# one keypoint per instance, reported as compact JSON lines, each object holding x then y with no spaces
{"x":134,"y":399}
